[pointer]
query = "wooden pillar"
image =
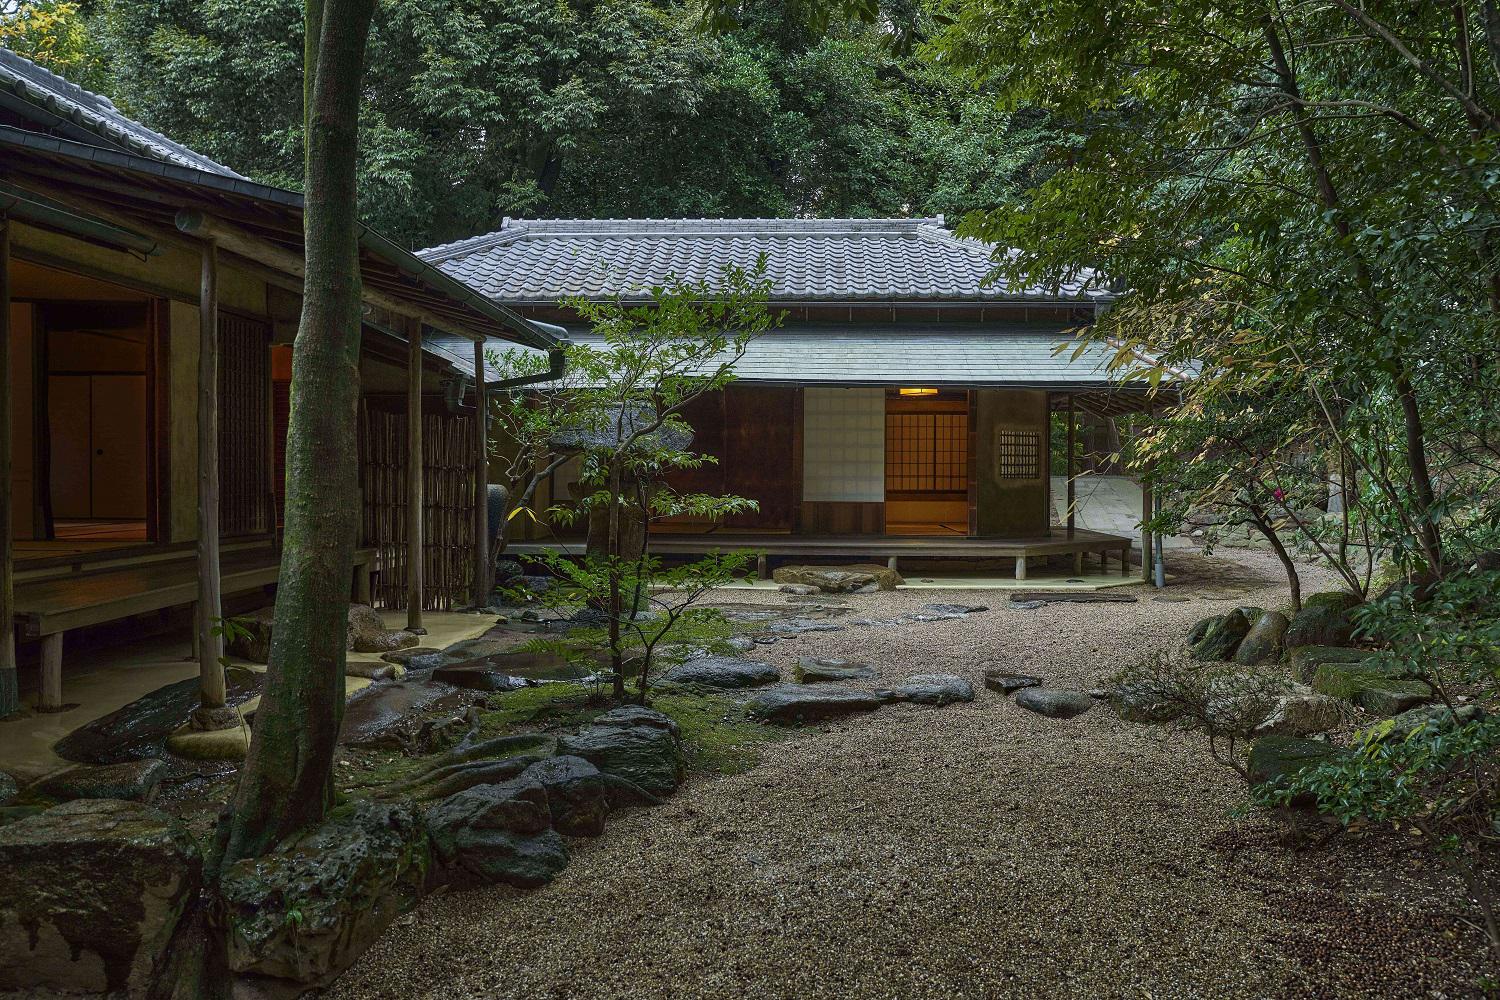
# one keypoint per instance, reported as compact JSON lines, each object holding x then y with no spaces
{"x":210,"y":607}
{"x":10,"y":698}
{"x":1145,"y":535}
{"x":484,"y":564}
{"x":414,"y":493}
{"x":1072,"y":458}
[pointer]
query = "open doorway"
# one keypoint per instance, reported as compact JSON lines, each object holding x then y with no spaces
{"x":81,"y":390}
{"x":96,"y":358}
{"x":926,"y":462}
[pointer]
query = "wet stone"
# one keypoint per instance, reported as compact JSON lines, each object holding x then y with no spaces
{"x":141,"y":728}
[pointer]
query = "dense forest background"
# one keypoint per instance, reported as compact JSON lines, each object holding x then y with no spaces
{"x":481,"y":109}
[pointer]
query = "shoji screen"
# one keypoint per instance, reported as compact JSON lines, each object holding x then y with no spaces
{"x":843,"y":445}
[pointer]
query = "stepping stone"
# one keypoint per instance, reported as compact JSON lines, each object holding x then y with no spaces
{"x":723,"y":672}
{"x":133,"y":781}
{"x":403,"y":657}
{"x":1054,"y":703}
{"x":956,"y":609}
{"x":934,"y":689}
{"x":1003,"y":681}
{"x":792,"y":704}
{"x":1072,"y":597}
{"x":141,"y":728}
{"x":813,"y":670}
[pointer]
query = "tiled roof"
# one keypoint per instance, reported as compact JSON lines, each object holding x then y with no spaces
{"x":988,"y":355}
{"x":545,"y":260}
{"x":55,"y":105}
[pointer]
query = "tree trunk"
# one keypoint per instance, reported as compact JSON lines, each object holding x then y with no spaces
{"x":286,"y":783}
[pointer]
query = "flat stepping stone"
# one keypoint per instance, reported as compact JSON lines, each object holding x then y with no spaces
{"x":403,"y":657}
{"x":385,"y":715}
{"x":796,"y":703}
{"x":934,"y":689}
{"x":1072,"y":597}
{"x":816,"y":670}
{"x":956,"y":609}
{"x":134,"y":780}
{"x":723,"y":672}
{"x":1054,"y":703}
{"x":141,"y":728}
{"x":1005,"y":681}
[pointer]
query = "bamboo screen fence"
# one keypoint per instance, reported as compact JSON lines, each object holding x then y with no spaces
{"x":448,"y":490}
{"x":245,"y":490}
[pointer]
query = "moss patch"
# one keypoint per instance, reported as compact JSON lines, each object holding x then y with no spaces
{"x":718,"y":737}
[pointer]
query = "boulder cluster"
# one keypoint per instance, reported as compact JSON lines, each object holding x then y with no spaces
{"x":102,"y":891}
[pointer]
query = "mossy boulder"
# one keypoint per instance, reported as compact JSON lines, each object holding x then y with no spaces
{"x":1274,"y":758}
{"x":1305,"y":660}
{"x":92,"y":893}
{"x":642,"y":747}
{"x":1324,"y":620}
{"x":1372,"y":685}
{"x":1264,"y":642}
{"x":1221,"y":639}
{"x":497,"y":834}
{"x":839,"y":579}
{"x":305,"y":913}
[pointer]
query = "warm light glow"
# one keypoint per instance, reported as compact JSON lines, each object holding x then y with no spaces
{"x":919,"y":392}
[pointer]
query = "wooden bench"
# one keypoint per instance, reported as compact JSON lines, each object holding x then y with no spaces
{"x":48,"y":608}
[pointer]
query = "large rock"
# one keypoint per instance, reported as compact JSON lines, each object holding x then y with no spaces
{"x":91,"y":895}
{"x":132,"y":780}
{"x":1305,"y":660}
{"x":577,"y":794}
{"x":1264,"y":642}
{"x":723,"y":672}
{"x":839,"y":579}
{"x":1273,"y":758}
{"x":1437,"y":717}
{"x":141,"y":728}
{"x":642,"y":752}
{"x":1001,"y":680}
{"x":387,"y":716}
{"x":794,"y":703}
{"x":1374,"y":686}
{"x":817,"y":670}
{"x":497,"y":834}
{"x":1054,"y":703}
{"x":1323,"y":621}
{"x":250,"y":635}
{"x":1223,"y":637}
{"x":628,"y":716}
{"x":306,"y":913}
{"x":368,"y":634}
{"x":1302,"y":713}
{"x":934,"y":689}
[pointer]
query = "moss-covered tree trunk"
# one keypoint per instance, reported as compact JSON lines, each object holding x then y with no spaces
{"x":286,"y":783}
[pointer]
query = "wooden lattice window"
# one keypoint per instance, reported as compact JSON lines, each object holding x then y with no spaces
{"x":1020,"y":455}
{"x":244,"y":426}
{"x":926,"y":453}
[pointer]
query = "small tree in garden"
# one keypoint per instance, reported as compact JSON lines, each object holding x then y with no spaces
{"x":624,"y":402}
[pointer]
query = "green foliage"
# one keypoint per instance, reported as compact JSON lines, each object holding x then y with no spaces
{"x":476,"y":110}
{"x":54,"y":34}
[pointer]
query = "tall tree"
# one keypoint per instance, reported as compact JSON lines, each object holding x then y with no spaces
{"x":287,"y":781}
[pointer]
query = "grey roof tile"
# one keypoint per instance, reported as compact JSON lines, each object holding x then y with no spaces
{"x":953,"y":355}
{"x":46,"y":97}
{"x":545,"y":260}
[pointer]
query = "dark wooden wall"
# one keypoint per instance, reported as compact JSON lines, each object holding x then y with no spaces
{"x":754,"y":432}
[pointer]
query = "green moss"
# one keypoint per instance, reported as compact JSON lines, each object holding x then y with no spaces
{"x":543,"y":705}
{"x":718,"y":737}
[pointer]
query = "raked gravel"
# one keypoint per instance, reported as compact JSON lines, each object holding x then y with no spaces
{"x":971,"y":851}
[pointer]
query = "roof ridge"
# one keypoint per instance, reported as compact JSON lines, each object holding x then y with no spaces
{"x":94,"y":114}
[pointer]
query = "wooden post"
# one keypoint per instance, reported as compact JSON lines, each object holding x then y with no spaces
{"x":414,"y":498}
{"x":484,"y":564}
{"x":211,"y":692}
{"x":10,"y":698}
{"x":1145,"y":536}
{"x":1072,"y":464}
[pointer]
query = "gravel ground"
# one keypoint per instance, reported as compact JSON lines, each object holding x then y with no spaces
{"x":972,"y":851}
